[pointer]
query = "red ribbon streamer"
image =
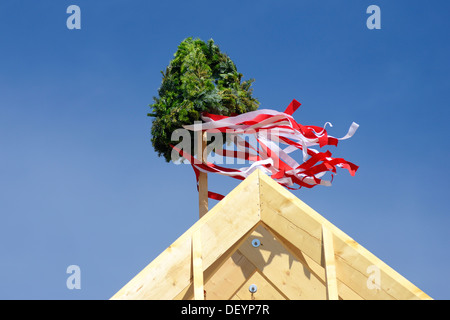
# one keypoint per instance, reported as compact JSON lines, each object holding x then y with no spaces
{"x":272,"y":128}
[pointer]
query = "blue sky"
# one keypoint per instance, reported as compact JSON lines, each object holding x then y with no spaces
{"x":81,"y":185}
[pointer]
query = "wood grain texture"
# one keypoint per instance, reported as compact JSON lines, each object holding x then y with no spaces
{"x":295,"y":260}
{"x":302,"y":227}
{"x":330,"y":265}
{"x":203,"y":176}
{"x":225,"y":224}
{"x":197,"y":266}
{"x":265,"y":290}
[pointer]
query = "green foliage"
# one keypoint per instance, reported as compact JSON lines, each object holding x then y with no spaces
{"x":200,"y":78}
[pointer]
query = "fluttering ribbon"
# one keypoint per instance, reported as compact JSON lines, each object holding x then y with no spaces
{"x":270,"y":130}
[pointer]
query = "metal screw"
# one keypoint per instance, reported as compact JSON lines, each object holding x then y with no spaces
{"x":253,"y":288}
{"x":256,"y":243}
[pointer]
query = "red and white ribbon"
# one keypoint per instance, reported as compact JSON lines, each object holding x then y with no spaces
{"x":272,"y":129}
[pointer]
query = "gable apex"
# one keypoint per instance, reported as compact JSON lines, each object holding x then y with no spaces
{"x":294,"y":254}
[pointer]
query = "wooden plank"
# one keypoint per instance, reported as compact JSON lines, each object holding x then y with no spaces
{"x":225,"y":224}
{"x":296,"y":225}
{"x":302,"y":227}
{"x":229,"y":278}
{"x":197,"y":266}
{"x":281,"y":211}
{"x":353,"y":262}
{"x":203,"y":176}
{"x":330,"y":265}
{"x":265,"y":290}
{"x":222,"y":281}
{"x":284,"y":270}
{"x":345,"y":293}
{"x":188,"y":292}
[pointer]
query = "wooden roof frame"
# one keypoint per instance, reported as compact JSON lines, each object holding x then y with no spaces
{"x":301,"y":256}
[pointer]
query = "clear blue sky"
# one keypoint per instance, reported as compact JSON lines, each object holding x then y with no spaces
{"x":79,"y":180}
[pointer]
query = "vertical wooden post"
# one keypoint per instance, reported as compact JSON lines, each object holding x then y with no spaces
{"x":197,"y":266}
{"x":203,"y":177}
{"x":330,"y":264}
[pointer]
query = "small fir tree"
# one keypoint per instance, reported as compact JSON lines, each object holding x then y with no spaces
{"x":200,"y":78}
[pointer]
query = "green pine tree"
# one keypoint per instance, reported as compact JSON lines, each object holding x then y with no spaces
{"x":199,"y":78}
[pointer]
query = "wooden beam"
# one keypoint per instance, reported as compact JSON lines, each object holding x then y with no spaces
{"x":224,"y":225}
{"x":203,"y":176}
{"x":264,"y":290}
{"x":345,"y":293}
{"x":215,"y":269}
{"x":330,"y":264}
{"x":230,"y":276}
{"x":283,"y":269}
{"x":300,"y":225}
{"x":197,"y":266}
{"x":260,"y":200}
